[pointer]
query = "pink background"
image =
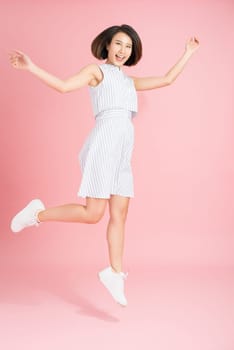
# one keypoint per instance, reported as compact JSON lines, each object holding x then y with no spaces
{"x":182,"y":213}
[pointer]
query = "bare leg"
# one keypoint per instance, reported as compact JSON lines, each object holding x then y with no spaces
{"x":91,"y":213}
{"x":118,"y":206}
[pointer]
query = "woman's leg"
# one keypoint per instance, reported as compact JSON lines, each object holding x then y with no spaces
{"x":90,"y":213}
{"x":36,"y":212}
{"x":118,"y":207}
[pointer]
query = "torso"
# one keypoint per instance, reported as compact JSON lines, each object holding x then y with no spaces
{"x":112,"y":89}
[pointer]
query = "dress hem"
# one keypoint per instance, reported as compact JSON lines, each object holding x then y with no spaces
{"x":104,"y":197}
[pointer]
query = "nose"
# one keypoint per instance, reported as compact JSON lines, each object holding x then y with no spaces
{"x":122,"y":49}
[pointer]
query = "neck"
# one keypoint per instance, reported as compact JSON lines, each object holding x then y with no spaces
{"x":119,"y":67}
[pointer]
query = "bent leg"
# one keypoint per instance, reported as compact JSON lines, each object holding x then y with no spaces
{"x":91,"y":213}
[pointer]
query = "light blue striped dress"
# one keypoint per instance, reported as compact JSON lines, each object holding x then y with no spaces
{"x":105,"y":157}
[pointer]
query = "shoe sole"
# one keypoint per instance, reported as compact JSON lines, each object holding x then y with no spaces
{"x":101,"y":280}
{"x":14,"y":229}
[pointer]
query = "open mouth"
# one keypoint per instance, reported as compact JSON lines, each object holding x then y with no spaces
{"x":119,"y":58}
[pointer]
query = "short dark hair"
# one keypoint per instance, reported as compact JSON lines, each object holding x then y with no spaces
{"x":98,"y":46}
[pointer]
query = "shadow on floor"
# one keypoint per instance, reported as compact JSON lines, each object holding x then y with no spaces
{"x":32,"y":286}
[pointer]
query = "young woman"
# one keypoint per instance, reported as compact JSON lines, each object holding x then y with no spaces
{"x":105,"y":157}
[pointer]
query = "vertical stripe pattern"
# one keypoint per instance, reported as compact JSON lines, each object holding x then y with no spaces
{"x":116,"y":91}
{"x":105,"y":157}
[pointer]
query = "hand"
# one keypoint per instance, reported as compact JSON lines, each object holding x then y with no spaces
{"x":20,"y":60}
{"x":192,"y":44}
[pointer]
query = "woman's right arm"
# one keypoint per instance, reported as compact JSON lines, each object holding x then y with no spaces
{"x":89,"y":75}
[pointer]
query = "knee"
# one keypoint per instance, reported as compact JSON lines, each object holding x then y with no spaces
{"x":118,"y":216}
{"x":95,"y":217}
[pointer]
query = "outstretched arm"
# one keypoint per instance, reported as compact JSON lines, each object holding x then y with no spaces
{"x":89,"y":75}
{"x":149,"y":83}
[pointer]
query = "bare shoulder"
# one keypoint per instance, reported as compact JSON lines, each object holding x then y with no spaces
{"x":94,"y":70}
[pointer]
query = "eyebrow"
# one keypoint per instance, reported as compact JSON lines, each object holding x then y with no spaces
{"x":123,"y":42}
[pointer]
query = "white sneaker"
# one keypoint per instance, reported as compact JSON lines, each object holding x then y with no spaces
{"x":27,"y":216}
{"x":114,"y":282}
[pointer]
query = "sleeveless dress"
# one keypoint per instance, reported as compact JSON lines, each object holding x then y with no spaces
{"x":105,"y":157}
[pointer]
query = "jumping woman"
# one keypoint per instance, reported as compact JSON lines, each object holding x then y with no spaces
{"x":105,"y":157}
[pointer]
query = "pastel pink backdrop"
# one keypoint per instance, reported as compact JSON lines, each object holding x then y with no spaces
{"x":183,"y":157}
{"x":182,"y":213}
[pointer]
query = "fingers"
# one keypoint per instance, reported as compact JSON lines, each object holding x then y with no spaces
{"x":14,"y":63}
{"x":14,"y":58}
{"x":195,"y":39}
{"x":19,"y":52}
{"x":15,"y":53}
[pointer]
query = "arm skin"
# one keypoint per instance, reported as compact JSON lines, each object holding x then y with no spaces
{"x":86,"y":76}
{"x":89,"y":75}
{"x":149,"y":83}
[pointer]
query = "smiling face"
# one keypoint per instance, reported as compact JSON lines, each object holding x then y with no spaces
{"x":120,"y":49}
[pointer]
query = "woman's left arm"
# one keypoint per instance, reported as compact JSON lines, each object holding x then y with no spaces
{"x":149,"y":83}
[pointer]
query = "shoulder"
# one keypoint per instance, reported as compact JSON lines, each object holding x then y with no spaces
{"x":92,"y":68}
{"x":95,"y":71}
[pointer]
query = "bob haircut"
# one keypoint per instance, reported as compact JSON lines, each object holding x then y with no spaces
{"x":99,"y":44}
